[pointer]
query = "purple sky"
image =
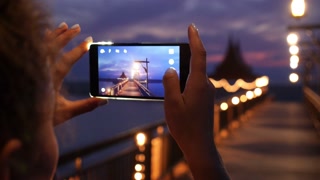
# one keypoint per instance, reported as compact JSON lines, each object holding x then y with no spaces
{"x":112,"y":64}
{"x":259,"y":25}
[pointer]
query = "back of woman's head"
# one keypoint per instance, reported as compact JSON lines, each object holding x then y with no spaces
{"x":23,"y":68}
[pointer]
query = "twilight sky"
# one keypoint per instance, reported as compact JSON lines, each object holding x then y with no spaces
{"x":259,"y":25}
{"x":112,"y":62}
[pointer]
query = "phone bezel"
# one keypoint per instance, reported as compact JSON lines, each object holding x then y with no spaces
{"x":94,"y":74}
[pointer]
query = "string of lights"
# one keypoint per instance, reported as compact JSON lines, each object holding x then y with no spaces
{"x":240,"y":83}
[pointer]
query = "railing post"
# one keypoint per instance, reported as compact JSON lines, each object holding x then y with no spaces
{"x":243,"y":111}
{"x":216,"y":119}
{"x":230,"y":113}
{"x":148,"y":148}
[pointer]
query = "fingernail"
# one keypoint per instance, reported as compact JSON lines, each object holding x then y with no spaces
{"x":103,"y":102}
{"x":194,"y":26}
{"x":171,"y":70}
{"x":75,"y":26}
{"x":88,"y":39}
{"x":63,"y":24}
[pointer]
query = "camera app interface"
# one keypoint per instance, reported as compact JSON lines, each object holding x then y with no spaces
{"x":135,"y":71}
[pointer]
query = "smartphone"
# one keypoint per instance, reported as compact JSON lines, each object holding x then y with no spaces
{"x":134,"y":71}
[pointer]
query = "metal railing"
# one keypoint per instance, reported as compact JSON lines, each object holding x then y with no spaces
{"x":116,"y":88}
{"x":147,"y":152}
{"x":143,"y":88}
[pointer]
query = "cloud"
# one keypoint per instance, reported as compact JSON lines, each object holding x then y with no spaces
{"x":259,"y":25}
{"x":215,"y":58}
{"x":257,"y":56}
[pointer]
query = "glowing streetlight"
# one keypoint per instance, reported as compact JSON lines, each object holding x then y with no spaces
{"x":298,"y":8}
{"x":294,"y":59}
{"x":294,"y":50}
{"x":257,"y":92}
{"x":139,"y":167}
{"x":292,"y":39}
{"x":138,"y":176}
{"x":141,"y":139}
{"x":293,"y":77}
{"x":146,"y":69}
{"x":250,"y":95}
{"x":136,"y":66}
{"x":243,"y":98}
{"x":224,"y":106}
{"x":235,"y":100}
{"x":293,"y":65}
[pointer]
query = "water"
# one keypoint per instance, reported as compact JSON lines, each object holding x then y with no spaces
{"x":106,"y":84}
{"x":286,"y":92}
{"x":105,"y":122}
{"x":156,"y":89}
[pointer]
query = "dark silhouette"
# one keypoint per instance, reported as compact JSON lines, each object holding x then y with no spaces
{"x":233,"y":66}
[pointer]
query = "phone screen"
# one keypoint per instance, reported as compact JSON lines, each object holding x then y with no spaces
{"x":127,"y":71}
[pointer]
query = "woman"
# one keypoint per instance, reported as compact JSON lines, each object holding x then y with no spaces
{"x":32,"y":69}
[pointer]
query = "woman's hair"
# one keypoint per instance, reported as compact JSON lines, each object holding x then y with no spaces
{"x":23,"y":68}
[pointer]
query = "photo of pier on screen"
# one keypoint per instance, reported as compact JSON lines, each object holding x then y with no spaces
{"x":135,"y":71}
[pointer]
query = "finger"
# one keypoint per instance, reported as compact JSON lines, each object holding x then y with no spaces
{"x":76,"y":53}
{"x":172,"y":94}
{"x":10,"y":147}
{"x":65,"y":37}
{"x":75,"y":108}
{"x":51,"y":35}
{"x":198,"y":52}
{"x":85,"y":105}
{"x":67,"y":60}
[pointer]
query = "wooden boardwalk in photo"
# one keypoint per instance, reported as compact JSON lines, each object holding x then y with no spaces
{"x":130,"y":89}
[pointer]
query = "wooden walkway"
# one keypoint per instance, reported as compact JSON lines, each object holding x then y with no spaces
{"x":277,"y":142}
{"x":130,"y":89}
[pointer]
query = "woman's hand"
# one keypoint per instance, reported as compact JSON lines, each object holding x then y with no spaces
{"x":189,"y":115}
{"x":61,"y":64}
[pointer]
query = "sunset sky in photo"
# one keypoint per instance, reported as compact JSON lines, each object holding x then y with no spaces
{"x":115,"y":60}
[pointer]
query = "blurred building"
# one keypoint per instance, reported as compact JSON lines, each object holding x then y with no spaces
{"x":233,"y":66}
{"x":233,"y":75}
